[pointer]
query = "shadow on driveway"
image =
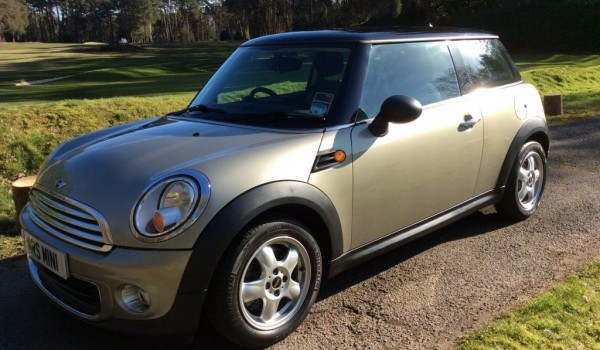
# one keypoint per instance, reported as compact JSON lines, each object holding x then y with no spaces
{"x":29,"y":321}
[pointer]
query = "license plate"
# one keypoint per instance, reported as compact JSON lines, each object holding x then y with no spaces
{"x":51,"y":258}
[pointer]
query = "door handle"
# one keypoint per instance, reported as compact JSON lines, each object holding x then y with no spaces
{"x":469,"y":121}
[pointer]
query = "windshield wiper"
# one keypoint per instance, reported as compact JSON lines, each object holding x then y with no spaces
{"x":198,"y":108}
{"x":279,"y":116}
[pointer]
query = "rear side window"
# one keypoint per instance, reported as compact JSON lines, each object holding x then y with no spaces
{"x":420,"y":70}
{"x":486,"y":64}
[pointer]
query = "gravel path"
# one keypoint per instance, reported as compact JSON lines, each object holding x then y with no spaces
{"x":425,"y":295}
{"x":428,"y":294}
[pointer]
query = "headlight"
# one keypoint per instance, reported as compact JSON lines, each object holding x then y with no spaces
{"x":170,"y":206}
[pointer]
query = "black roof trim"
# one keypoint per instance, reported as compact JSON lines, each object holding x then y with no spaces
{"x":379,"y":35}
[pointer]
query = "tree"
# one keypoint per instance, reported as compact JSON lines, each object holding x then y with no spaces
{"x":136,"y":18}
{"x":13,"y":18}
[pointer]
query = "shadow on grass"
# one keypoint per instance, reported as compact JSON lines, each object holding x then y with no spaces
{"x":96,"y":74}
{"x":525,"y":62}
{"x":106,"y":88}
{"x":7,"y":225}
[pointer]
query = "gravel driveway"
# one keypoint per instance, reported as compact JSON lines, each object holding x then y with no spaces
{"x":425,"y":295}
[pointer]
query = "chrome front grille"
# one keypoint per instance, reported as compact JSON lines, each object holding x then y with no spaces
{"x":69,"y":220}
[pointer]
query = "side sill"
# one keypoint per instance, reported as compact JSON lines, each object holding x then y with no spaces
{"x":395,"y":240}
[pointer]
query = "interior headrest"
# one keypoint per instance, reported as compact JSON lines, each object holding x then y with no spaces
{"x":329,"y":63}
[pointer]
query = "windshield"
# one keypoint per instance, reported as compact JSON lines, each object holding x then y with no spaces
{"x":295,"y":87}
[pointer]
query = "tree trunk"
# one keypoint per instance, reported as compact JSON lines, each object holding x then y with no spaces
{"x":20,"y":194}
{"x":553,"y":104}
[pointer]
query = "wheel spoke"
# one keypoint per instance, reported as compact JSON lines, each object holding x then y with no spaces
{"x":266,"y":258}
{"x":253,"y":290}
{"x":293,"y":291}
{"x":523,"y":192}
{"x":291,"y":260}
{"x":523,"y":174}
{"x":536,"y":174}
{"x":531,"y":192}
{"x":269,"y":309}
{"x":530,"y":163}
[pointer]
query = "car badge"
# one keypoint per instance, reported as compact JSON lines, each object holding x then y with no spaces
{"x":60,"y":184}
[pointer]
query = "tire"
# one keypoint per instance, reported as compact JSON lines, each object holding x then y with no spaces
{"x":525,"y":184}
{"x":266,"y":284}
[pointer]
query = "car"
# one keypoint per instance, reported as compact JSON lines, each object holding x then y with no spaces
{"x":305,"y":154}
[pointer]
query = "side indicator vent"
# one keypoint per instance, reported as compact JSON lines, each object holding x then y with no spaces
{"x":329,"y":159}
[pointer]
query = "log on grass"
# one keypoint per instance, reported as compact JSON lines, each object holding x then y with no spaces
{"x":20,"y":194}
{"x":553,"y":104}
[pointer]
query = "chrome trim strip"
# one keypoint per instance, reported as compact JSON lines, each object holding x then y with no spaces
{"x":417,"y":40}
{"x":33,"y":271}
{"x":59,"y":207}
{"x":340,"y":127}
{"x":49,"y":229}
{"x":492,"y":88}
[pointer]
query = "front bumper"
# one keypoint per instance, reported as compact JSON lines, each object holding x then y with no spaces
{"x":93,"y":290}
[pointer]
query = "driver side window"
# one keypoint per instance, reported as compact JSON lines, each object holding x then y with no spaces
{"x":420,"y":70}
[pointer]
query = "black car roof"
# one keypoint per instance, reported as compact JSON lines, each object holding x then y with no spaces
{"x":380,"y":35}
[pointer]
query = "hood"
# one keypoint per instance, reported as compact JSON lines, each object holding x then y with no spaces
{"x":111,"y":171}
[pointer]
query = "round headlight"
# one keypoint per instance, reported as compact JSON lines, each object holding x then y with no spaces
{"x":176,"y":203}
{"x":168,"y":207}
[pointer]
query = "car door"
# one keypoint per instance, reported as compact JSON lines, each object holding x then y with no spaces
{"x":421,"y":168}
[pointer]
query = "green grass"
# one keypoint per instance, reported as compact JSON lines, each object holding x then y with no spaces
{"x":10,"y":246}
{"x":567,"y":317}
{"x":576,"y":77}
{"x":7,"y":208}
{"x":94,"y":73}
{"x":279,"y":88}
{"x":30,"y":134}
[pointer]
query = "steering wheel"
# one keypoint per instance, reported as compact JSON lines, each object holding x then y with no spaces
{"x":264,"y":90}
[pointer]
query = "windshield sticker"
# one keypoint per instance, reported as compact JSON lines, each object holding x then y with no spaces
{"x":321,"y":103}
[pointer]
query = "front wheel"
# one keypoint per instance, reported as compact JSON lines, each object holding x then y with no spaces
{"x":266,"y":284}
{"x":525,"y":184}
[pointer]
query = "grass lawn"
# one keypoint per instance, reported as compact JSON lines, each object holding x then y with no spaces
{"x":566,"y":317}
{"x":93,"y":73}
{"x":576,"y":77}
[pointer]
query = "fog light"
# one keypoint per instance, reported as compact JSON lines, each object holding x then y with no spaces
{"x":135,"y":299}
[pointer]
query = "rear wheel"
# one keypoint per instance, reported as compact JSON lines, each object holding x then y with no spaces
{"x":525,"y":184}
{"x":265,"y":286}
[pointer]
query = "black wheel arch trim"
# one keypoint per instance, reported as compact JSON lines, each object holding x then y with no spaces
{"x":217,"y":236}
{"x":535,"y":128}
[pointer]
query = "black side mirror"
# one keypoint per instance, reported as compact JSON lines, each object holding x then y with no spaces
{"x":395,"y":109}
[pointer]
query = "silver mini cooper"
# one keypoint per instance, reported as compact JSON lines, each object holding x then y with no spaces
{"x":305,"y":154}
